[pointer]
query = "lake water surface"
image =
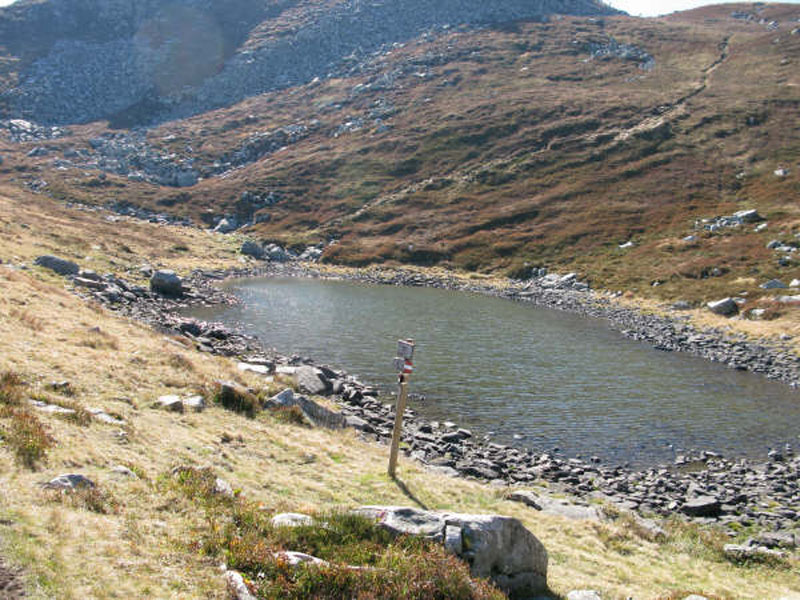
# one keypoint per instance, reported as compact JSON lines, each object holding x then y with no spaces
{"x":555,"y":379}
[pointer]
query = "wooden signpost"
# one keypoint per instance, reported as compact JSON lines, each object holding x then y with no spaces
{"x":404,"y":365}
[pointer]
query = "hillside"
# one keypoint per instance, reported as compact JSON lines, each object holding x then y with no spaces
{"x":142,"y":533}
{"x":490,"y":147}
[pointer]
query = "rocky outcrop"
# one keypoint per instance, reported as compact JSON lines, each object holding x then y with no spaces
{"x":141,"y":60}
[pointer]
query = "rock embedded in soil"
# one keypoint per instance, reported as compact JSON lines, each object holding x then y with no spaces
{"x":58,"y":265}
{"x":70,"y":482}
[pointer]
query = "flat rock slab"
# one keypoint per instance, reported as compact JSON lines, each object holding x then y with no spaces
{"x":702,"y":506}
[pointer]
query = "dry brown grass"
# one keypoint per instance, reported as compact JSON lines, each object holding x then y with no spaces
{"x":133,"y":541}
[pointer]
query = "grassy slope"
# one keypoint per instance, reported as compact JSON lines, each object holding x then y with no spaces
{"x":142,"y":550}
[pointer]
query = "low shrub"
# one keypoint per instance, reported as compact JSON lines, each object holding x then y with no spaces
{"x":91,"y":499}
{"x":11,"y":389}
{"x":236,"y":398}
{"x":291,"y":415}
{"x":27,"y":437}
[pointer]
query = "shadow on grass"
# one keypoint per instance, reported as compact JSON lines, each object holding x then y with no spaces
{"x":408,"y":493}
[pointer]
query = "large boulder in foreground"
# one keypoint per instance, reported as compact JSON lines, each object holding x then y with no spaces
{"x":166,"y":283}
{"x":494,"y":546}
{"x":61,"y":266}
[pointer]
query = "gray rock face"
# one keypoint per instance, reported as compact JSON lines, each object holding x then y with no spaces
{"x":496,"y":547}
{"x":166,"y":283}
{"x":726,"y":307}
{"x":59,"y":265}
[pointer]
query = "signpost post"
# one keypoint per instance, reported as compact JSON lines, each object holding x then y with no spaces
{"x":404,"y":366}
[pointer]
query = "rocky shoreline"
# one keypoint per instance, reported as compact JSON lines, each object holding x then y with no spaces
{"x":762,"y":497}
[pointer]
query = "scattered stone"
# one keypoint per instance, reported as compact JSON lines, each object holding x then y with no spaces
{"x":69,"y":482}
{"x":695,"y":597}
{"x":527,"y":498}
{"x":104,"y":417}
{"x":726,"y":307}
{"x":124,"y":472}
{"x":773,"y":284}
{"x":59,"y":265}
{"x":223,"y":488}
{"x":494,"y":546}
{"x":171,"y":403}
{"x":781,"y":172}
{"x":166,"y":283}
{"x":748,"y":216}
{"x":295,"y":559}
{"x":50,"y":408}
{"x":89,"y":283}
{"x":291,"y":520}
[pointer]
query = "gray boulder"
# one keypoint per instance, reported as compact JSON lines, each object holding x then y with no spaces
{"x":276,"y":253}
{"x":312,"y":381}
{"x":726,"y":307}
{"x":494,"y":546}
{"x":59,"y":265}
{"x":195,"y":403}
{"x":166,"y":283}
{"x":251,"y":248}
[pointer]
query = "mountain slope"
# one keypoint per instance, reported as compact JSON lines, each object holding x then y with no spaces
{"x":496,"y":148}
